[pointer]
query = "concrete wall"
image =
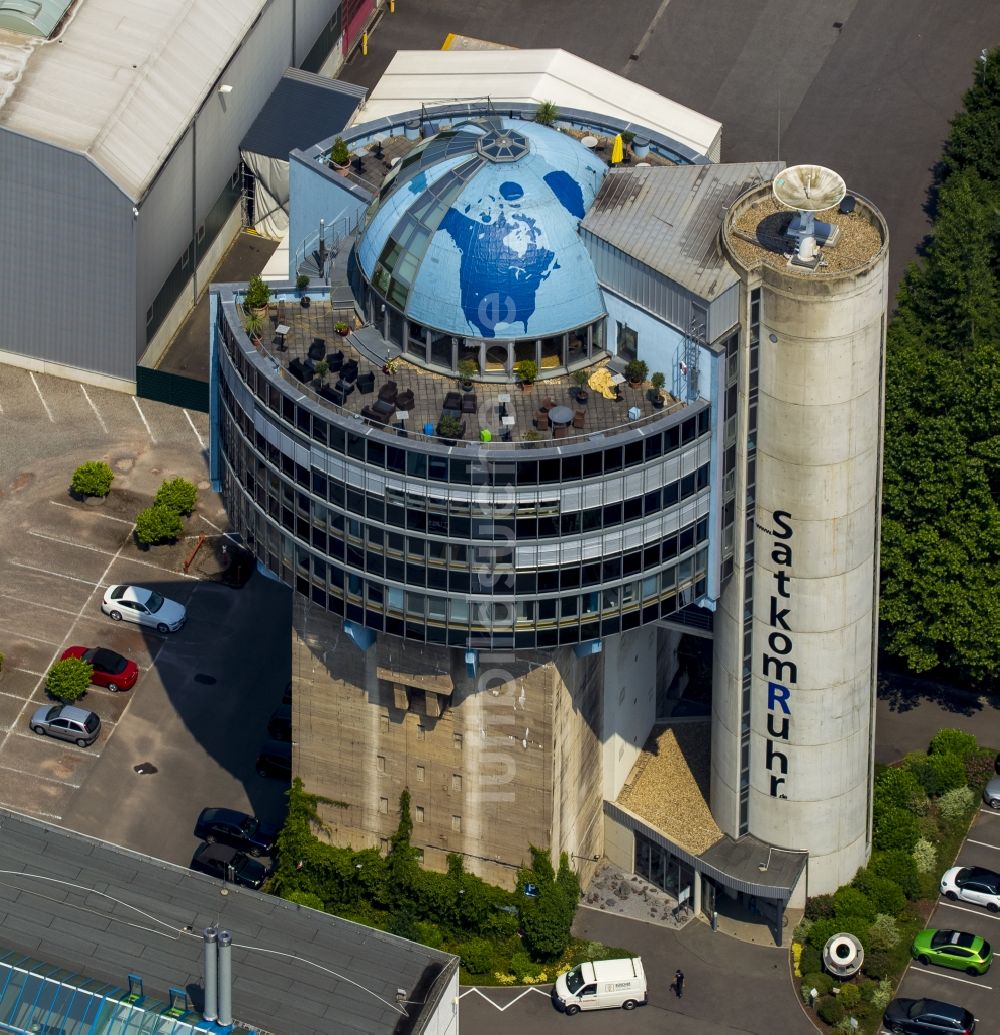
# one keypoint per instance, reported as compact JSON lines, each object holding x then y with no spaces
{"x":819,"y":445}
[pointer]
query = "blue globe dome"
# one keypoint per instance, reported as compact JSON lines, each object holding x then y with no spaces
{"x":475,"y":233}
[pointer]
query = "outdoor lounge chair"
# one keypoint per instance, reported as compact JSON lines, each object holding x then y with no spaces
{"x":388,"y":392}
{"x":344,"y":389}
{"x":469,"y":404}
{"x":579,"y":419}
{"x":452,"y":401}
{"x":404,"y":401}
{"x":547,"y":404}
{"x":301,"y":371}
{"x":335,"y":361}
{"x":317,"y":350}
{"x":542,"y":421}
{"x":381,"y":412}
{"x":349,"y":372}
{"x":366,"y":382}
{"x":560,"y":432}
{"x":331,"y":395}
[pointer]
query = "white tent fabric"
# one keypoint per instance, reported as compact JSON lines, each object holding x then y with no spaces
{"x":270,"y":194}
{"x":416,"y":77}
{"x":122,"y":81}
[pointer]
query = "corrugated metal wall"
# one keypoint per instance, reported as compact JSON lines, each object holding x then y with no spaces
{"x":67,"y":261}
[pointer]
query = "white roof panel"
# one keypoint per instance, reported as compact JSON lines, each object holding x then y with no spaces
{"x":122,"y":81}
{"x":416,"y":77}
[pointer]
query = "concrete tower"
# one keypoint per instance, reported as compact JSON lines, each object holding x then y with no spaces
{"x":795,"y":660}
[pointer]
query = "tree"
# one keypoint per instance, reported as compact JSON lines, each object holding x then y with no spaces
{"x":178,"y":495}
{"x":402,"y":857}
{"x":69,"y":679}
{"x":547,"y":916}
{"x":93,"y":478}
{"x":157,"y":524}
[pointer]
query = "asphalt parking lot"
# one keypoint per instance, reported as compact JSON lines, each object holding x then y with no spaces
{"x":978,"y":994}
{"x":199,"y":709}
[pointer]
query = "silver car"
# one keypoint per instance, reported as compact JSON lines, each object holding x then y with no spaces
{"x":143,"y":606}
{"x":67,"y":723}
{"x":992,"y":793}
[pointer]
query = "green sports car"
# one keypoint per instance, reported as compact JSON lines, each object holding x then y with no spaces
{"x":956,"y":949}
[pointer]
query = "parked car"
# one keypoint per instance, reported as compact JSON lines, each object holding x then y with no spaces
{"x":67,"y":722}
{"x":145,"y":607}
{"x":236,"y":829}
{"x":111,"y":669}
{"x":927,"y":1017}
{"x":991,"y":793}
{"x":972,"y":884}
{"x":275,"y":759}
{"x":226,"y":863}
{"x":279,"y":726}
{"x":959,"y":950}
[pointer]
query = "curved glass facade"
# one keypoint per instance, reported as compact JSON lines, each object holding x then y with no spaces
{"x":530,"y":547}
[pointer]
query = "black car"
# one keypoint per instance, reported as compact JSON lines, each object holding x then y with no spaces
{"x":227,"y":864}
{"x":275,"y":759}
{"x":279,"y":726}
{"x":928,"y":1017}
{"x":237,"y":829}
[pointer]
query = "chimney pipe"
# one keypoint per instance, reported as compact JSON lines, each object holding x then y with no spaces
{"x":211,"y":934}
{"x":225,"y":979}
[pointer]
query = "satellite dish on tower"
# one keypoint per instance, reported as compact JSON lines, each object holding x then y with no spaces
{"x":809,"y":189}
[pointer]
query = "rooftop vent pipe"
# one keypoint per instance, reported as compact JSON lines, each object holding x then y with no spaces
{"x":211,"y":935}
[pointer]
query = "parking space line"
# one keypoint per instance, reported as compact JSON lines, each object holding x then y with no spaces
{"x":93,"y":513}
{"x":197,"y":433}
{"x":152,"y":437}
{"x":965,"y":909}
{"x":54,"y":574}
{"x":34,"y":603}
{"x":28,"y":671}
{"x":107,"y":553}
{"x":48,"y":412}
{"x":37,"y":639}
{"x":950,"y":977}
{"x":989,"y":812}
{"x":97,"y":412}
{"x":985,"y":844}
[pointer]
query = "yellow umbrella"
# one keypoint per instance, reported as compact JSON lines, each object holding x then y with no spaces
{"x":618,"y":150}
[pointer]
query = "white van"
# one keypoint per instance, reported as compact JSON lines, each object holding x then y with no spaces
{"x":601,"y":985}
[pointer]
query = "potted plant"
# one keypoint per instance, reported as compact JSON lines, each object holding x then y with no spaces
{"x":467,"y":370}
{"x":321,"y":369}
{"x":340,"y":156}
{"x":389,"y":366}
{"x":527,"y":371}
{"x":546,"y":113}
{"x":257,"y":296}
{"x":254,"y":325}
{"x":449,"y":428}
{"x":531,"y":436}
{"x":656,"y":392}
{"x":301,"y":282}
{"x":635,"y":372}
{"x":627,"y":138}
{"x":580,"y":379}
{"x":341,"y":328}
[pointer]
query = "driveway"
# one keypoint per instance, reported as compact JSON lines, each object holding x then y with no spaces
{"x":199,"y":710}
{"x":730,"y":987}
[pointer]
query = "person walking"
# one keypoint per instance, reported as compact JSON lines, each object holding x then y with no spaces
{"x":679,"y":983}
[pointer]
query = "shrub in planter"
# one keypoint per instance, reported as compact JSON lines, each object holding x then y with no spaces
{"x":340,"y":154}
{"x":258,"y":293}
{"x":341,"y":328}
{"x":157,"y":525}
{"x":658,"y":380}
{"x":449,"y":427}
{"x":956,"y":804}
{"x":68,"y":680}
{"x":546,"y":113}
{"x":886,"y":896}
{"x":849,"y":901}
{"x":830,"y":1009}
{"x":820,"y":906}
{"x":940,"y":773}
{"x":301,"y":282}
{"x":477,"y":955}
{"x":467,"y":369}
{"x":636,"y":371}
{"x":93,"y":478}
{"x":898,"y":867}
{"x":952,"y":742}
{"x":527,"y":371}
{"x":178,"y":495}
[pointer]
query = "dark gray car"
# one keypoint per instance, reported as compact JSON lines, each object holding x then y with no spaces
{"x":67,"y":723}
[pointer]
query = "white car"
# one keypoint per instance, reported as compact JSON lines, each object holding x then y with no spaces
{"x":972,"y":884}
{"x":145,"y":607}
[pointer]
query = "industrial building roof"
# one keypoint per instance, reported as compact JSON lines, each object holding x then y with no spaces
{"x":668,"y":218}
{"x":301,"y":106}
{"x":121,"y":82}
{"x":94,"y":909}
{"x":416,"y":77}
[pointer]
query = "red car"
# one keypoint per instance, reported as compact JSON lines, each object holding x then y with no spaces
{"x":110,"y":668}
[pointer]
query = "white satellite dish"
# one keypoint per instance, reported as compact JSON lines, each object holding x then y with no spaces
{"x":809,"y":189}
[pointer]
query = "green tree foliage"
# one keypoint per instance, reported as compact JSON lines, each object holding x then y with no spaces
{"x":953,"y":742}
{"x":897,"y":788}
{"x":895,"y":829}
{"x":941,"y":518}
{"x":939,"y":774}
{"x":93,"y":478}
{"x":898,"y":867}
{"x":546,"y":919}
{"x":178,"y":495}
{"x":68,"y":680}
{"x":852,"y":901}
{"x":884,"y":894}
{"x":157,"y":524}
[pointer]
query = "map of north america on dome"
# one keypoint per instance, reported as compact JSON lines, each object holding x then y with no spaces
{"x":505,"y":258}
